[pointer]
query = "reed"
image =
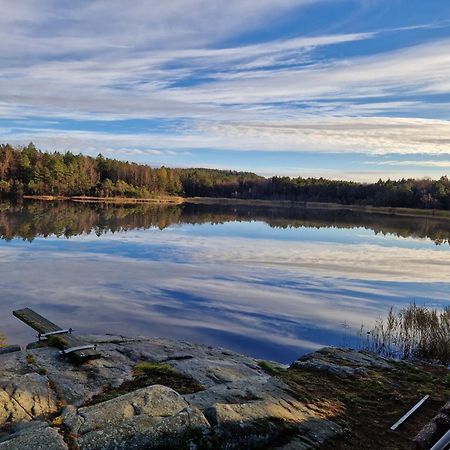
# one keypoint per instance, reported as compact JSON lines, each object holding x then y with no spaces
{"x":3,"y":340}
{"x":411,"y":332}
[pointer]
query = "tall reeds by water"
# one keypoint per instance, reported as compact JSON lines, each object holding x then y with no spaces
{"x":411,"y":332}
{"x":3,"y":340}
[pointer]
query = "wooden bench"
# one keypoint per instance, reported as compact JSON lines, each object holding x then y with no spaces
{"x":72,"y":346}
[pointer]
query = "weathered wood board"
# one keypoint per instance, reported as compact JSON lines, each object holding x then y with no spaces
{"x":65,"y":340}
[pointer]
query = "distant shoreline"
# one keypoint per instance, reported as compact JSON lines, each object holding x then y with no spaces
{"x":436,"y":213}
{"x":399,"y":211}
{"x":117,"y":200}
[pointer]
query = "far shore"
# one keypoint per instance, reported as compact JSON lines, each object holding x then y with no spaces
{"x":411,"y":212}
{"x":117,"y":200}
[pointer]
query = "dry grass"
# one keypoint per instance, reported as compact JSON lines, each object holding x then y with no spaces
{"x":3,"y":340}
{"x":366,"y":407}
{"x":172,"y":199}
{"x":412,"y":332}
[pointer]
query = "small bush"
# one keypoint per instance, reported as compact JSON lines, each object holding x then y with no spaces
{"x":412,"y":332}
{"x":31,"y":359}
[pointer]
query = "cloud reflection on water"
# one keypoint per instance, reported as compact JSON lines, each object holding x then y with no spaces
{"x":271,"y":297}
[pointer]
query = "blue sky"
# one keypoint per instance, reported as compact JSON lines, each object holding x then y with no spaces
{"x":356,"y":89}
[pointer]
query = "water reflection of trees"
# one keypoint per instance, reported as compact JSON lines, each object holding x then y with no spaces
{"x":67,"y":219}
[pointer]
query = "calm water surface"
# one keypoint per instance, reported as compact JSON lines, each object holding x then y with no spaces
{"x":271,"y":282}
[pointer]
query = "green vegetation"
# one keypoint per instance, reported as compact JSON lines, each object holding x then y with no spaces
{"x":272,"y":369}
{"x":31,"y":359}
{"x":366,"y":407}
{"x":412,"y":332}
{"x":3,"y":340}
{"x":27,"y":171}
{"x":148,"y":373}
{"x":150,"y":368}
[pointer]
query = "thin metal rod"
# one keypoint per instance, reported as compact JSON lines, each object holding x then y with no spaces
{"x":66,"y":351}
{"x":411,"y":411}
{"x":54,"y":333}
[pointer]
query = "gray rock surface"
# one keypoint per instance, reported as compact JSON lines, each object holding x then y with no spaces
{"x":36,"y":436}
{"x":312,"y":434}
{"x":342,"y":362}
{"x":241,"y":406}
{"x":24,"y":394}
{"x":147,"y":418}
{"x":9,"y":349}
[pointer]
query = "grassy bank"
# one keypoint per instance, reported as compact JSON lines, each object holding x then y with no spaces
{"x":117,"y":200}
{"x":408,"y":212}
{"x":128,"y":200}
{"x":366,"y":407}
{"x":48,"y":198}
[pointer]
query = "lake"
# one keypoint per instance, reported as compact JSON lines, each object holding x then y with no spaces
{"x":271,"y":282}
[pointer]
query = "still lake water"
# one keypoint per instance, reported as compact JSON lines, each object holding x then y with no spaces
{"x":271,"y":282}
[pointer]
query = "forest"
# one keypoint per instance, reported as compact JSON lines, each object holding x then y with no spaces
{"x":29,"y":171}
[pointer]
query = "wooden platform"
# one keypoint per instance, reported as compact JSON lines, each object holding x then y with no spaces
{"x":65,"y":340}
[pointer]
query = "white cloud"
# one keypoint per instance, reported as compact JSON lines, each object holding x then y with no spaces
{"x":377,"y":135}
{"x":223,"y":285}
{"x":419,"y":163}
{"x":33,"y":29}
{"x":370,"y":135}
{"x":421,"y":69}
{"x":279,"y":95}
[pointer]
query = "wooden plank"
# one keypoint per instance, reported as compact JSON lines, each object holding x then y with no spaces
{"x":35,"y":321}
{"x":42,"y":326}
{"x":410,"y":412}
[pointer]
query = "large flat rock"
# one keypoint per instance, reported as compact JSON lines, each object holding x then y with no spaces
{"x":241,"y":406}
{"x":25,"y":395}
{"x":152,"y":417}
{"x":35,"y":436}
{"x":342,"y":362}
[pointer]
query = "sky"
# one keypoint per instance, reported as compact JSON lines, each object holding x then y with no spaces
{"x":346,"y":89}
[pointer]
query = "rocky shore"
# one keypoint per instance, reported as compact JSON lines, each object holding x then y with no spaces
{"x":154,"y":393}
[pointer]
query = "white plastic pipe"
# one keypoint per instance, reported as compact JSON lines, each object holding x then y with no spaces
{"x":443,"y":442}
{"x":411,"y":411}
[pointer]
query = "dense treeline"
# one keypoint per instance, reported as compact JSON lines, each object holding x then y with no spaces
{"x":32,"y":172}
{"x":29,"y":171}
